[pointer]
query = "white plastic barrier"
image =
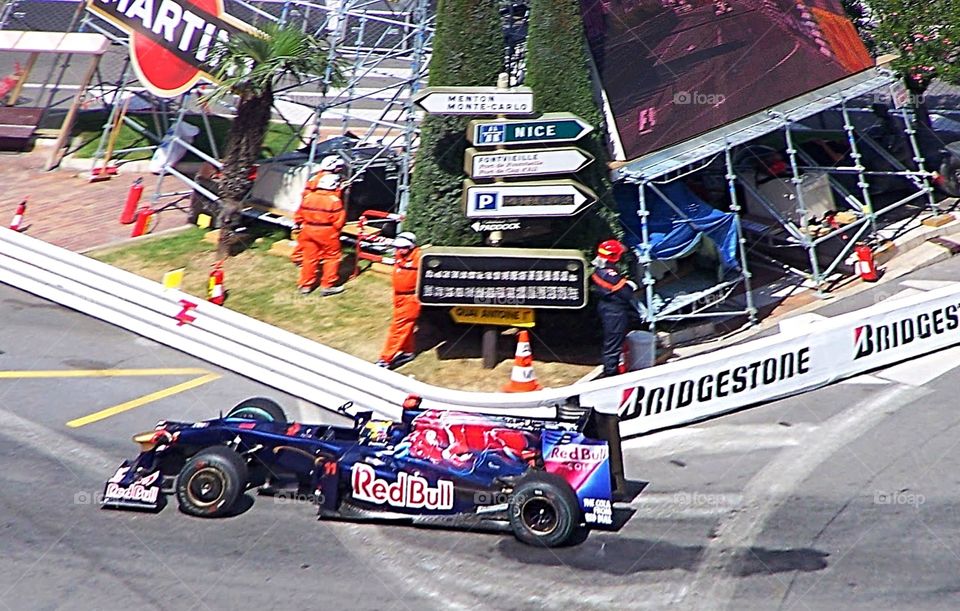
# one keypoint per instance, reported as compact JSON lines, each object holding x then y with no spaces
{"x":689,"y":390}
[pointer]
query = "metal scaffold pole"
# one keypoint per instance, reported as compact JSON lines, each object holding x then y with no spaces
{"x":918,"y":157}
{"x":644,"y":257}
{"x":410,"y":117}
{"x":731,"y":178}
{"x":857,"y":157}
{"x":797,"y":181}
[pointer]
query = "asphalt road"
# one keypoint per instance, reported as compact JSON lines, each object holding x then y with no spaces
{"x":840,"y":498}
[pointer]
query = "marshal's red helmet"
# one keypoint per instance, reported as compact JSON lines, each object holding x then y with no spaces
{"x":611,"y":250}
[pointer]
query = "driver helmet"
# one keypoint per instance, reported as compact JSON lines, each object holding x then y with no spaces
{"x":377,"y":431}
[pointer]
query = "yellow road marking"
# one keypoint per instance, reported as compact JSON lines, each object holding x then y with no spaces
{"x":154,"y":396}
{"x":100,"y":373}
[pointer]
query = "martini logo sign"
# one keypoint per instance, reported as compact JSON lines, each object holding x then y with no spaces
{"x":170,"y":40}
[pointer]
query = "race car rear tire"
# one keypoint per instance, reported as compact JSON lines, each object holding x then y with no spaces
{"x":544,"y":511}
{"x":260,"y":409}
{"x":211,"y":481}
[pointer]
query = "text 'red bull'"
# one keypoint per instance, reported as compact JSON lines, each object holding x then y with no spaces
{"x":575,"y":462}
{"x":409,"y":491}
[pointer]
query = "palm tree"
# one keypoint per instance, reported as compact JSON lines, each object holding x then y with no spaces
{"x":249,"y":65}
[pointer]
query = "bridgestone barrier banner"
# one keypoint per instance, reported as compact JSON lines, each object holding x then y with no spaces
{"x":800,"y":358}
{"x":756,"y":372}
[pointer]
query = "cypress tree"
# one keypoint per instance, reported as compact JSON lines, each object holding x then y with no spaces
{"x":558,"y":71}
{"x":468,"y":51}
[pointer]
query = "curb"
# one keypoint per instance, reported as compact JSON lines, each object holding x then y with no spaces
{"x":140,"y":166}
{"x":117,"y":244}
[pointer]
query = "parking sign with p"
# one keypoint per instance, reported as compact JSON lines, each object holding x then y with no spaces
{"x":487,"y":201}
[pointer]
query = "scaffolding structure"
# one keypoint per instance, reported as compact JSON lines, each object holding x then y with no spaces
{"x":699,"y":304}
{"x":733,"y":149}
{"x":382,"y":49}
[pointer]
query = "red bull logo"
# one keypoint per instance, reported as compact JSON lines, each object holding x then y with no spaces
{"x":578,"y":453}
{"x":409,"y":491}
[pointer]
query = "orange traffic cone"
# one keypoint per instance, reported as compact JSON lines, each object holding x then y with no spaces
{"x":18,"y":216}
{"x":522,"y":378}
{"x":215,"y":292}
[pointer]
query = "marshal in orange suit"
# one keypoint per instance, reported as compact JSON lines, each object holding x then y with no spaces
{"x":399,"y":347}
{"x":321,"y":216}
{"x":331,"y":164}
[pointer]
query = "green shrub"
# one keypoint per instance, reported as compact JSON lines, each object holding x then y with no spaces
{"x":468,"y":51}
{"x":558,"y":71}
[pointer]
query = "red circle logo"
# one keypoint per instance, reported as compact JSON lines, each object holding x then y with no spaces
{"x":161,"y":69}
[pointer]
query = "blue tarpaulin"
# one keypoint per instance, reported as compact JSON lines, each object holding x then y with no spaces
{"x":676,"y":231}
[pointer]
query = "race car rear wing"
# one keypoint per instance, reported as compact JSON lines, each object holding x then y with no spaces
{"x":607,"y":427}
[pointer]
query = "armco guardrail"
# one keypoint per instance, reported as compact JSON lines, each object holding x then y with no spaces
{"x":684,"y":391}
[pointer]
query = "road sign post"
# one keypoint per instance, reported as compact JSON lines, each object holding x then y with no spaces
{"x":550,"y":128}
{"x":515,"y":101}
{"x":526,"y":162}
{"x":525,"y":199}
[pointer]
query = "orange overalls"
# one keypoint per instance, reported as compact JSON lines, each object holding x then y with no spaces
{"x":297,"y":255}
{"x":321,"y":216}
{"x":406,"y":306}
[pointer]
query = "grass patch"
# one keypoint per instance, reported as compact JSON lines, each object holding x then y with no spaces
{"x":280,"y":137}
{"x":263,"y":286}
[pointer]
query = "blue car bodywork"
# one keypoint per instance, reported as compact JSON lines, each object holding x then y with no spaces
{"x":546,"y":479}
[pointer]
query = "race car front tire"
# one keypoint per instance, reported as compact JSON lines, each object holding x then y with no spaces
{"x":260,"y":409}
{"x":544,"y":511}
{"x":211,"y":481}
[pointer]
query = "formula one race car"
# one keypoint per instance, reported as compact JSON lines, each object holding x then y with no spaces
{"x":545,"y":479}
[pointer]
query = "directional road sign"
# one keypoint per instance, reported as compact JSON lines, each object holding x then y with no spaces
{"x":497,"y":225}
{"x":526,"y":162}
{"x":551,"y":128}
{"x":526,"y":199}
{"x":505,"y":317}
{"x":476,"y":100}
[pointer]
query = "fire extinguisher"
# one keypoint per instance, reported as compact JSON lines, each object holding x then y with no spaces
{"x":141,"y":226}
{"x":133,"y":198}
{"x":865,"y":265}
{"x":215,"y":292}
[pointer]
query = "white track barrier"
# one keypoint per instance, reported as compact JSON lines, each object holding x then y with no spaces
{"x":685,"y":391}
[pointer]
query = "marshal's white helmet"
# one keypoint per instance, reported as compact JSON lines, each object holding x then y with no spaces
{"x":405,"y":239}
{"x":331,"y":163}
{"x":329,"y":182}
